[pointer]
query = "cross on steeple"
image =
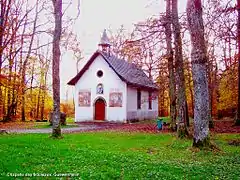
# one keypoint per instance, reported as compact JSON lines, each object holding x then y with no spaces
{"x":104,"y":42}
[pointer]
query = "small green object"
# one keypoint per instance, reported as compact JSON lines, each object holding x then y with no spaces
{"x":159,"y":123}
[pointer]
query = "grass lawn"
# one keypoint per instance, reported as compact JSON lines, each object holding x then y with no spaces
{"x":70,"y":120}
{"x":115,"y":155}
{"x":70,"y":124}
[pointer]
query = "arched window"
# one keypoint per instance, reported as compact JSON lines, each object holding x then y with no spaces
{"x":100,"y":88}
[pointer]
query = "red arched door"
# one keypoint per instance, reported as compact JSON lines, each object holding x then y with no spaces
{"x":99,"y":110}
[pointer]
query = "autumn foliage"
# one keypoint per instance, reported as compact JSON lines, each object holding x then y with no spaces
{"x":25,"y":58}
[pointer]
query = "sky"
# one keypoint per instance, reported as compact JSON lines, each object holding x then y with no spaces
{"x":97,"y":15}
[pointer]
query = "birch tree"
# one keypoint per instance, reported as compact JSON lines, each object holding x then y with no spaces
{"x":56,"y":53}
{"x":199,"y":73}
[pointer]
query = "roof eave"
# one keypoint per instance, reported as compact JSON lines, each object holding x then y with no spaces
{"x":142,"y":86}
{"x":76,"y":78}
{"x":71,"y":83}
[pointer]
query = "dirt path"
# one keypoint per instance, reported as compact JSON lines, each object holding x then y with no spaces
{"x":30,"y":127}
{"x":219,"y":127}
{"x":80,"y":128}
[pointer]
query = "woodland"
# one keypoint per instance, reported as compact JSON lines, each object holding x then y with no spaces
{"x":26,"y":66}
{"x":193,"y":56}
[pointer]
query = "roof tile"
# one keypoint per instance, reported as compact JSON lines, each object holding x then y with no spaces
{"x":128,"y":72}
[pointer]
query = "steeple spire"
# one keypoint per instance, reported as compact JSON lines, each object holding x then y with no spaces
{"x":104,"y":42}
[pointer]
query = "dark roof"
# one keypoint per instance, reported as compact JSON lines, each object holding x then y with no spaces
{"x":128,"y":72}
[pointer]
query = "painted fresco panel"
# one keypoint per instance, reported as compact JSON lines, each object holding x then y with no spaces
{"x":84,"y":98}
{"x":115,"y":99}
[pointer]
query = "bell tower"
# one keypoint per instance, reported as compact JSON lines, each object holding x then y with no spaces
{"x":104,"y":44}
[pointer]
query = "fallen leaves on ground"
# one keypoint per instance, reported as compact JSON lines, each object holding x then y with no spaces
{"x":219,"y":127}
{"x":17,"y":125}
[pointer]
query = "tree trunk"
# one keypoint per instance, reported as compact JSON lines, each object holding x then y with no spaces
{"x":225,"y":54}
{"x":209,"y":66}
{"x":189,"y":79}
{"x":216,"y":84}
{"x":5,"y":101}
{"x":210,"y":89}
{"x":5,"y":9}
{"x":172,"y":85}
{"x":229,"y":51}
{"x":26,"y":60}
{"x":14,"y":92}
{"x":38,"y":102}
{"x":31,"y":91}
{"x":42,"y":104}
{"x":237,"y":121}
{"x":44,"y":89}
{"x":56,"y":129}
{"x":182,"y":115}
{"x":1,"y":54}
{"x":9,"y":117}
{"x":10,"y":85}
{"x":199,"y":71}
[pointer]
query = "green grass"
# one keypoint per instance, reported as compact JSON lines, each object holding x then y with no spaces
{"x":112,"y":155}
{"x":70,"y":120}
{"x":43,"y":125}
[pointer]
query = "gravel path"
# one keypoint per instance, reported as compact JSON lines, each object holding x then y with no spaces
{"x":80,"y":128}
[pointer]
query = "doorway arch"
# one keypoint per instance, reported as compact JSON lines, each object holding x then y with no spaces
{"x":100,"y":109}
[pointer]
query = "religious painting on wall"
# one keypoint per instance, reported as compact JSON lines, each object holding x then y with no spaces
{"x":100,"y":89}
{"x":84,"y":98}
{"x":115,"y":99}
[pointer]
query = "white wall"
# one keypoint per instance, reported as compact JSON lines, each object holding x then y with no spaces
{"x":110,"y":81}
{"x":144,"y":113}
